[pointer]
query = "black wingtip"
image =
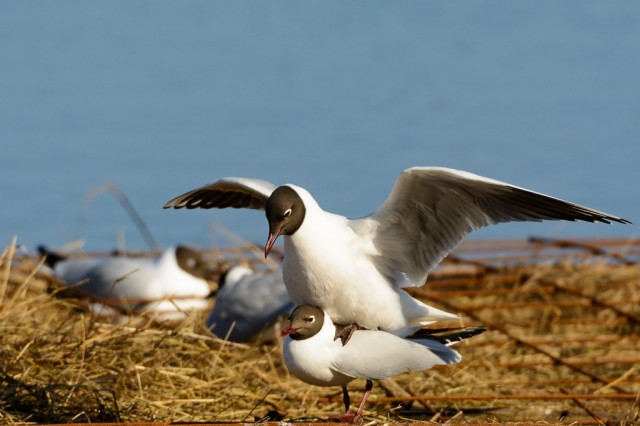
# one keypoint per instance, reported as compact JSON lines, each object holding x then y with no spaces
{"x":172,"y":203}
{"x":448,"y":336}
{"x":50,"y":257}
{"x":609,"y":219}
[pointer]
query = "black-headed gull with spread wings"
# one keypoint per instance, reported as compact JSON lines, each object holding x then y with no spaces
{"x":313,"y":355}
{"x":355,"y":269}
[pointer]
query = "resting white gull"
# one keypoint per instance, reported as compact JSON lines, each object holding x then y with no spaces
{"x":249,"y":303}
{"x":174,"y":283}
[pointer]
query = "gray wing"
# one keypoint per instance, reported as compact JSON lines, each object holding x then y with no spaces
{"x":123,"y":278}
{"x":110,"y":278}
{"x":73,"y":271}
{"x":249,"y":305}
{"x":373,"y":354}
{"x":227,"y":192}
{"x":431,"y":209}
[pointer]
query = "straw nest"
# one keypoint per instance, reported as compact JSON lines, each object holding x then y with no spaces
{"x":549,"y":355}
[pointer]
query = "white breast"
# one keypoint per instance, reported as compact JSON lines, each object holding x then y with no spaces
{"x":310,"y":359}
{"x":328,"y":266}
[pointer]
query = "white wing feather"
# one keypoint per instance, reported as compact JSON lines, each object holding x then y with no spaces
{"x":377,"y":354}
{"x":431,"y":209}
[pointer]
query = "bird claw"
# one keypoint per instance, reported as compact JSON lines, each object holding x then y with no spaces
{"x":344,"y":332}
{"x":346,"y":418}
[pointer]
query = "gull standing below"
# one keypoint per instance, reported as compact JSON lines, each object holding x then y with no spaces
{"x":355,"y":270}
{"x":313,"y":355}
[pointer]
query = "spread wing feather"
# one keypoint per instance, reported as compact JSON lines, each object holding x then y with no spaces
{"x":431,"y":209}
{"x":224,"y":193}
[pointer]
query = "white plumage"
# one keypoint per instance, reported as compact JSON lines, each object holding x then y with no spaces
{"x":355,"y":270}
{"x":314,"y":355}
{"x":248,"y":303}
{"x":174,"y":282}
{"x":321,"y":360}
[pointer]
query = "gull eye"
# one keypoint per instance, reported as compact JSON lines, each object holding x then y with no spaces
{"x":310,"y":319}
{"x":287,"y":213}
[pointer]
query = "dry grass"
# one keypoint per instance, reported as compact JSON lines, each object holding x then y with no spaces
{"x":563,"y":345}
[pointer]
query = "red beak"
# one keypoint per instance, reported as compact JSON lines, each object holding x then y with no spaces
{"x":273,"y":236}
{"x":287,"y":331}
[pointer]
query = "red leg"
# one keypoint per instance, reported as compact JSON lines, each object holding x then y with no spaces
{"x":348,"y":417}
{"x":367,"y":391}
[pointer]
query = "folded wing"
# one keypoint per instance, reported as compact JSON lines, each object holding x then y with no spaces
{"x":372,"y":354}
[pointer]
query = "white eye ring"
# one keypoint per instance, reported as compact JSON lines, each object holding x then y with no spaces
{"x":287,"y":213}
{"x":310,"y":319}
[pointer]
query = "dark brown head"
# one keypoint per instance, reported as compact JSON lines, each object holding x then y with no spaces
{"x":285,"y":212}
{"x":305,"y":321}
{"x":192,"y":262}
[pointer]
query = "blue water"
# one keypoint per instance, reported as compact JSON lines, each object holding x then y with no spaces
{"x":339,"y":97}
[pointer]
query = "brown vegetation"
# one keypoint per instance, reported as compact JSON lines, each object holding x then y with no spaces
{"x":563,"y":346}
